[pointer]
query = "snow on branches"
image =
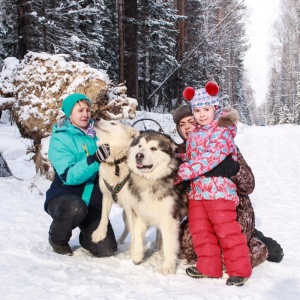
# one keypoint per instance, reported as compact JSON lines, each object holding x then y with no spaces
{"x":38,"y":84}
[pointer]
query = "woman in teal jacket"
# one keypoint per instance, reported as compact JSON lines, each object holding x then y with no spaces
{"x":74,"y":198}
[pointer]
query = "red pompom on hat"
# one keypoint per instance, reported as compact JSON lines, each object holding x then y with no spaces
{"x":206,"y":96}
{"x":188,"y":93}
{"x":212,"y":88}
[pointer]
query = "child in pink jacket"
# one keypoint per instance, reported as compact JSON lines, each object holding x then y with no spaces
{"x":213,"y":200}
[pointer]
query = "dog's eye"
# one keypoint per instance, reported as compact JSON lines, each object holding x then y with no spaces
{"x":153,"y":149}
{"x":113,"y":123}
{"x":140,"y":146}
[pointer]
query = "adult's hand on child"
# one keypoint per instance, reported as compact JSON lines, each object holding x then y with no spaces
{"x":227,"y":168}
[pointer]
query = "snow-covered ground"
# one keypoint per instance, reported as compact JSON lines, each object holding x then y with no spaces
{"x":29,"y":269}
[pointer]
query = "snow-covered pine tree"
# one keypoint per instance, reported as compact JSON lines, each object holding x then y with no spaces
{"x":157,"y":51}
{"x":272,"y":96}
{"x":286,"y":57}
{"x":232,"y":47}
{"x":85,"y":30}
{"x":8,"y":30}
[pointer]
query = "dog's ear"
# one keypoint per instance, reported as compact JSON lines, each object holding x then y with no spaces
{"x":174,"y":147}
{"x":134,"y":132}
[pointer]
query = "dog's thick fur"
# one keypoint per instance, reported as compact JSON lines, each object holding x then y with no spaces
{"x":119,"y":137}
{"x":155,"y":200}
{"x":149,"y":197}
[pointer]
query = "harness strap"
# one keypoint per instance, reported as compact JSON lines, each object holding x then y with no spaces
{"x":115,"y":190}
{"x":116,"y":163}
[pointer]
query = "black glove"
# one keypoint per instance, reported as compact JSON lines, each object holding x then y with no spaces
{"x":227,"y":168}
{"x":102,"y":153}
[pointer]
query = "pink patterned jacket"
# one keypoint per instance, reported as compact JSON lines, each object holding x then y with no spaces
{"x":206,"y":147}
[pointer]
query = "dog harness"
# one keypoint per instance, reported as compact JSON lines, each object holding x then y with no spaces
{"x":116,"y":163}
{"x":115,"y":190}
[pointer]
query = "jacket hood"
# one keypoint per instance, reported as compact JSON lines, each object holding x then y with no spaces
{"x":64,"y":124}
{"x":229,"y":117}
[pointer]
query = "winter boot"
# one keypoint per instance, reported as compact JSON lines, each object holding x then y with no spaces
{"x":194,"y":273}
{"x":274,"y":249}
{"x":60,"y":249}
{"x":104,"y":248}
{"x":236,"y":280}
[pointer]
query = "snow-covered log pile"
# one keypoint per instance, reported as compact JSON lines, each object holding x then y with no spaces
{"x":7,"y":88}
{"x":42,"y":81}
{"x":34,"y":88}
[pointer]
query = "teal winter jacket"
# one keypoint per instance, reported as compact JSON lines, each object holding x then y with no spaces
{"x":71,"y":154}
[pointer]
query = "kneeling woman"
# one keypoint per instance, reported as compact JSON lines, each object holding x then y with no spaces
{"x":74,"y":198}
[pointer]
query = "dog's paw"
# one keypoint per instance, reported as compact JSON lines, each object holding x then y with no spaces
{"x":98,"y":235}
{"x":137,"y":262}
{"x":137,"y":259}
{"x":137,"y":253}
{"x":170,"y":269}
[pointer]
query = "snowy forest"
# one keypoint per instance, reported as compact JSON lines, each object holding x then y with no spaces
{"x":158,"y":47}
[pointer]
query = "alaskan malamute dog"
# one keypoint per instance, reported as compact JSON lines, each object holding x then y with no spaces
{"x":114,"y":173}
{"x":155,"y":200}
{"x":139,"y":175}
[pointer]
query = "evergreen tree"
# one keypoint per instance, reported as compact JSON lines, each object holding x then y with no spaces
{"x":273,"y":98}
{"x":140,"y":42}
{"x":85,"y":30}
{"x":8,"y":30}
{"x":286,"y":116}
{"x":131,"y":47}
{"x":249,"y":98}
{"x":157,"y":54}
{"x":286,"y":61}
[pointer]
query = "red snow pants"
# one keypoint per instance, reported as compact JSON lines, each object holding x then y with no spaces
{"x":213,"y":227}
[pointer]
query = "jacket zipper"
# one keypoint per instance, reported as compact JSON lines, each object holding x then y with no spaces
{"x":85,"y":149}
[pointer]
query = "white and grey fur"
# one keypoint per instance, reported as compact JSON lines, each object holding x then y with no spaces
{"x":149,"y":198}
{"x":155,"y":200}
{"x":119,"y":137}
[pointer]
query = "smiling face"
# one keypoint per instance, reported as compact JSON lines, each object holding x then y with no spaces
{"x":81,"y":114}
{"x":151,"y":155}
{"x":186,"y":125}
{"x":204,"y":115}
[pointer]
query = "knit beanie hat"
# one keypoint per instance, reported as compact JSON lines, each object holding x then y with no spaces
{"x":69,"y":102}
{"x":203,"y":96}
{"x":181,"y":112}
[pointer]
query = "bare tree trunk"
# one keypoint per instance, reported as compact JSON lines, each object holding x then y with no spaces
{"x":44,"y":31}
{"x":24,"y":33}
{"x":121,"y":40}
{"x":131,"y":47}
{"x":181,"y":28}
{"x":144,"y":96}
{"x":180,"y":52}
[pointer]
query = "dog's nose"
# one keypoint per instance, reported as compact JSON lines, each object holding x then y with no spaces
{"x":139,"y":156}
{"x":97,"y":119}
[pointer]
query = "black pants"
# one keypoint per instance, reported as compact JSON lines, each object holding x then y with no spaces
{"x":68,"y":212}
